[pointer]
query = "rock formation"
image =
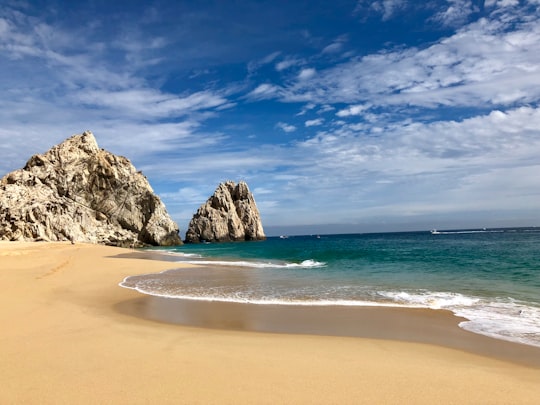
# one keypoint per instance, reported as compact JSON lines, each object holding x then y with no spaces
{"x":230,"y":214}
{"x":79,"y":192}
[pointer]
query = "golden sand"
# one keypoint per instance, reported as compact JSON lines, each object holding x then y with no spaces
{"x":64,"y":341}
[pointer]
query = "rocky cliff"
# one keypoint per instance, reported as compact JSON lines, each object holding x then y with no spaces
{"x":79,"y":192}
{"x":230,"y":214}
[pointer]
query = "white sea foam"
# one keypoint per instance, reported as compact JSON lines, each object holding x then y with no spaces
{"x":174,"y":253}
{"x":306,"y":263}
{"x":191,"y":255}
{"x":501,"y":318}
{"x":240,"y":299}
{"x":257,"y":264}
{"x":435,"y":232}
{"x":433,"y":300}
{"x":504,"y":320}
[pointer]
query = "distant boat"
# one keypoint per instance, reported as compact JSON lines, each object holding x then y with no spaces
{"x":435,"y":232}
{"x":283,"y":236}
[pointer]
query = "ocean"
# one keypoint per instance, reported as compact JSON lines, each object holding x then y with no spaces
{"x":490,"y":277}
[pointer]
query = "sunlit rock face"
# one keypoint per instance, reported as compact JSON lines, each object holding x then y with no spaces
{"x":79,"y":192}
{"x":230,"y":214}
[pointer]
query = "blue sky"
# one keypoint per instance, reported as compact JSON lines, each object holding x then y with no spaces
{"x":342,"y":116}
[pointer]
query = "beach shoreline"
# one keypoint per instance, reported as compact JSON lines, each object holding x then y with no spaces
{"x":71,"y":334}
{"x":415,"y":325}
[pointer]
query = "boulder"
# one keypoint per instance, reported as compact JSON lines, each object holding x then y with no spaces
{"x":81,"y":193}
{"x":230,"y":214}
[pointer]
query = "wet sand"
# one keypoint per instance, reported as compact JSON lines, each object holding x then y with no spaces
{"x":436,"y":327}
{"x":70,"y":334}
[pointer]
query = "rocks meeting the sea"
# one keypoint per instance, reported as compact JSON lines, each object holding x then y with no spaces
{"x":81,"y":193}
{"x":230,"y":214}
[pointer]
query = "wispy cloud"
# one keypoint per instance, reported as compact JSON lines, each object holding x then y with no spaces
{"x":306,"y":108}
{"x":287,"y":63}
{"x":490,"y":62}
{"x":286,"y":127}
{"x":387,"y":9}
{"x":307,"y":73}
{"x":57,"y":82}
{"x":445,"y":157}
{"x":356,"y":109}
{"x":149,"y":102}
{"x":501,"y":3}
{"x":456,"y":13}
{"x":254,"y":65}
{"x":336,"y":45}
{"x":314,"y":123}
{"x":265,"y":90}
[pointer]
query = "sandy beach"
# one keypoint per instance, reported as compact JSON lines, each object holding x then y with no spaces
{"x":70,"y":334}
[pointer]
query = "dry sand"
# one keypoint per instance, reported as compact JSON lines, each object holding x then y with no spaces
{"x":69,"y":334}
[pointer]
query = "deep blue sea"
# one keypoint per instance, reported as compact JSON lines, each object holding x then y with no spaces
{"x":490,"y":277}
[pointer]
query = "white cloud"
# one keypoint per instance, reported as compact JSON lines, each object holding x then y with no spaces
{"x":306,"y":108}
{"x":255,"y":65}
{"x":456,"y":13}
{"x":186,"y":195}
{"x":307,"y":73}
{"x":386,"y":8}
{"x":287,"y":63}
{"x":314,"y":123}
{"x":501,"y":3}
{"x":450,"y":164}
{"x":56,"y":83}
{"x":262,"y":190}
{"x":286,"y":127}
{"x":336,"y":45}
{"x":489,"y":62}
{"x":357,"y":109}
{"x":149,"y":102}
{"x":265,"y":90}
{"x":333,"y":47}
{"x":325,"y":108}
{"x":4,"y":28}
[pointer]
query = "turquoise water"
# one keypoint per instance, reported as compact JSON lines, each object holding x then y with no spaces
{"x":490,"y":277}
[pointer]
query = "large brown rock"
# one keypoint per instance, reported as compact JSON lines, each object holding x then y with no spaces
{"x":230,"y":214}
{"x":79,"y":192}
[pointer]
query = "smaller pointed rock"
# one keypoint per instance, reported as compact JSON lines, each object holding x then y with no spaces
{"x":230,"y":214}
